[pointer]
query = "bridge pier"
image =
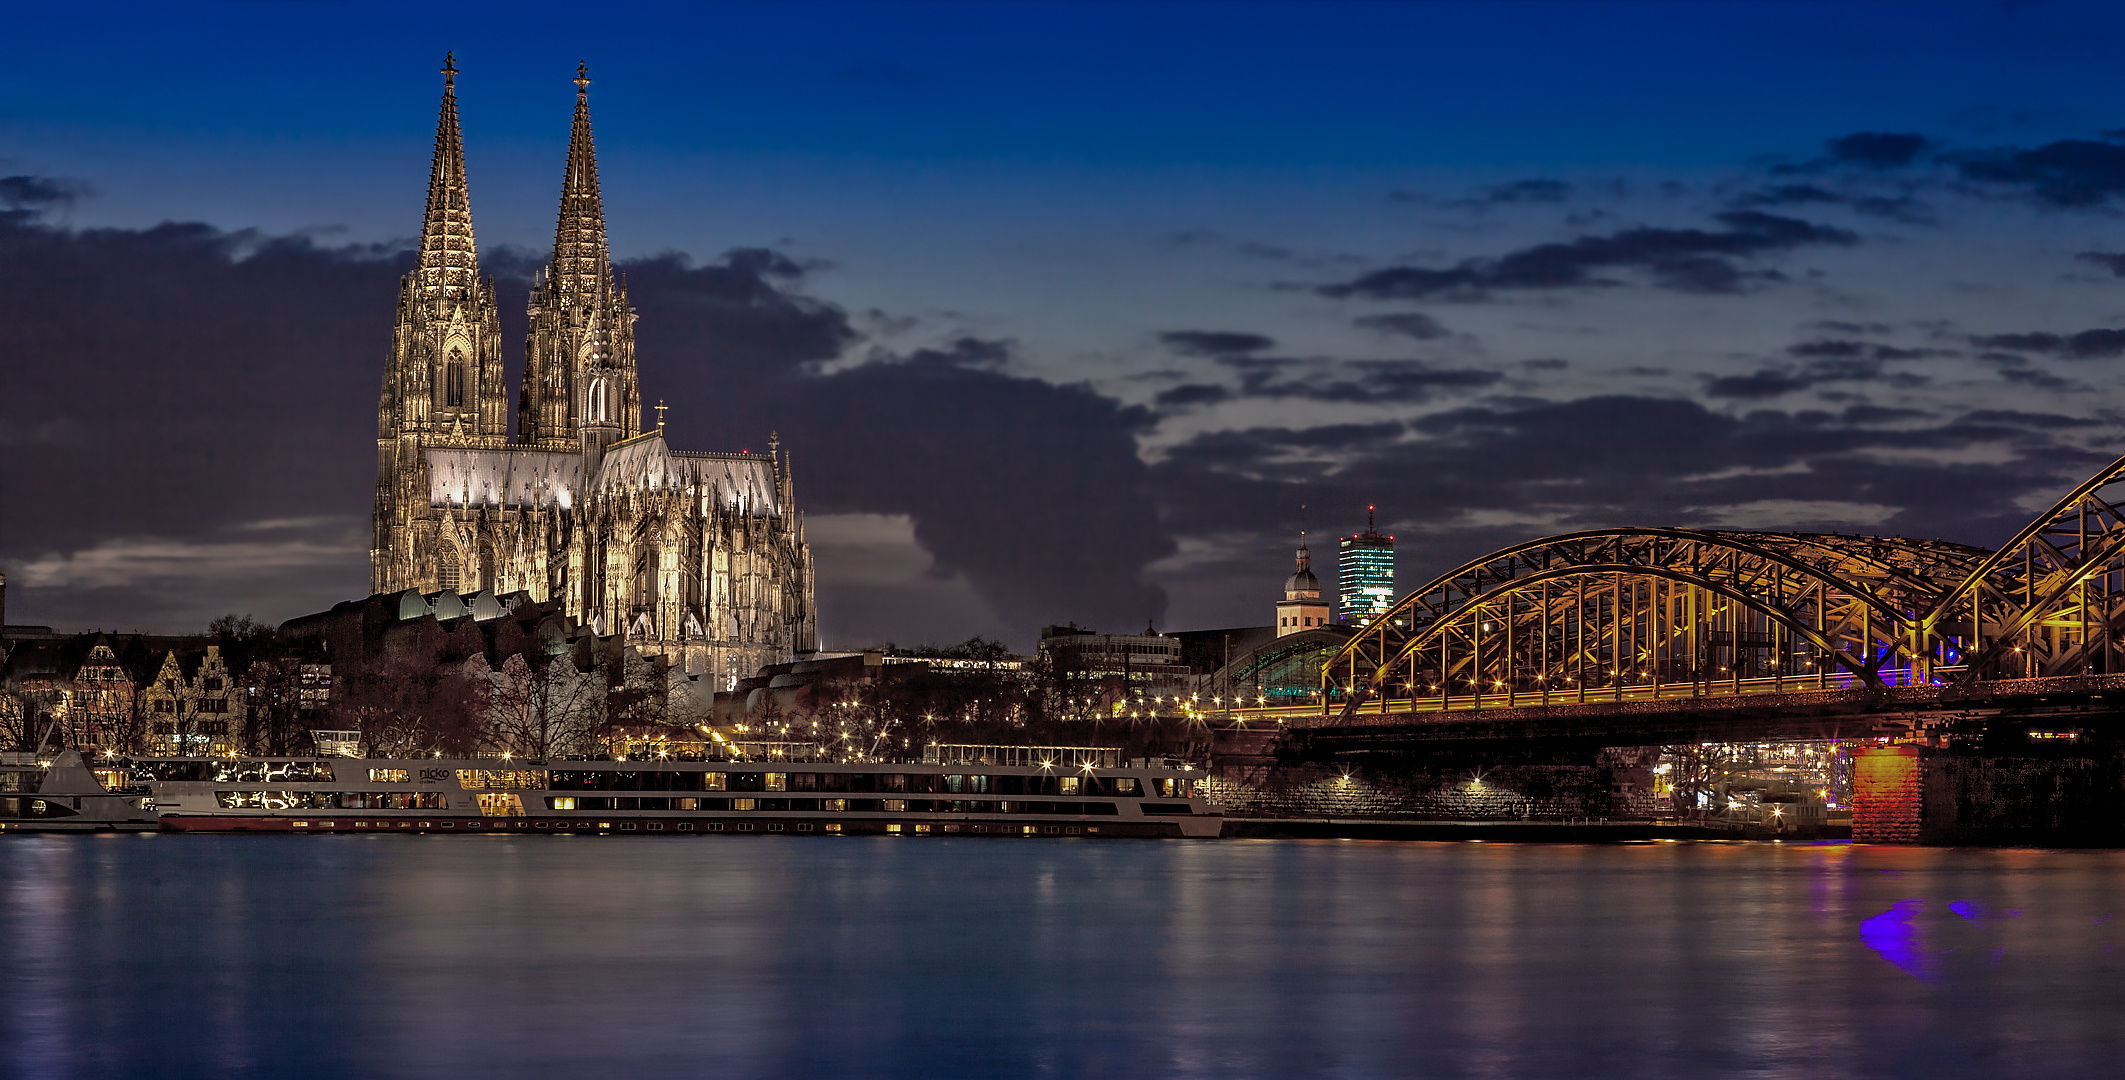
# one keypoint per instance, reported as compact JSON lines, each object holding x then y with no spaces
{"x":2069,"y":795}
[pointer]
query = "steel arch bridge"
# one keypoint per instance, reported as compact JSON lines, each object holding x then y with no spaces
{"x":1649,"y":613}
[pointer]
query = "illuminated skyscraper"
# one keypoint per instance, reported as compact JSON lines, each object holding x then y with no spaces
{"x":1365,"y":575}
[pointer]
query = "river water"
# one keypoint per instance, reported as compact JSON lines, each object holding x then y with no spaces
{"x":388,"y":956}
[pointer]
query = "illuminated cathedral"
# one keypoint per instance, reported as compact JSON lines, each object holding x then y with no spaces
{"x":699,"y":557}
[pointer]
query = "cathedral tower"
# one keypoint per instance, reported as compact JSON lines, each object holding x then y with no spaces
{"x":696,"y":557}
{"x":443,"y":385}
{"x":579,"y":357}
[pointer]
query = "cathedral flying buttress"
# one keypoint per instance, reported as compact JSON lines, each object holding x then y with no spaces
{"x":699,"y":557}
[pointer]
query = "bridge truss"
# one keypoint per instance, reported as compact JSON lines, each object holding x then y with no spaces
{"x":1648,"y":613}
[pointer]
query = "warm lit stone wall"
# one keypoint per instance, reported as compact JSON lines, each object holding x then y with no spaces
{"x":1614,"y":784}
{"x":1887,"y":795}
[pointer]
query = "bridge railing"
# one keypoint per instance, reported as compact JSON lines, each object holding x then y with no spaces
{"x":1338,"y":708}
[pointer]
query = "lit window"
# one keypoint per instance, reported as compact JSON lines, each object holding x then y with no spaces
{"x":561,"y":802}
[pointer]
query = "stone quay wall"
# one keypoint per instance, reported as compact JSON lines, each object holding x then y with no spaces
{"x":1247,"y":780}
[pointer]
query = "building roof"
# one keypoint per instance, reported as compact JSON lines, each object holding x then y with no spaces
{"x":536,"y":479}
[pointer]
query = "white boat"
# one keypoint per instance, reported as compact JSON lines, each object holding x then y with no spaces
{"x":368,"y":795}
{"x":64,"y":795}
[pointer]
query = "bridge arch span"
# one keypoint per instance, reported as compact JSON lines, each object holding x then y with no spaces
{"x":1642,"y":610}
{"x":2052,"y":600}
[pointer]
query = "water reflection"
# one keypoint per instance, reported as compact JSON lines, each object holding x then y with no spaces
{"x":422,"y":956}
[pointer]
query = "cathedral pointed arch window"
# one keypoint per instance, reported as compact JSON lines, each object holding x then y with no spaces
{"x":454,"y":380}
{"x":596,"y":410}
{"x":447,"y":567}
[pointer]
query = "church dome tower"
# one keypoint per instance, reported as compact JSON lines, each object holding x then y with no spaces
{"x":1302,"y":607}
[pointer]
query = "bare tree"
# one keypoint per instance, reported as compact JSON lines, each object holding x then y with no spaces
{"x":274,"y":721}
{"x":544,"y":710}
{"x":405,"y":707}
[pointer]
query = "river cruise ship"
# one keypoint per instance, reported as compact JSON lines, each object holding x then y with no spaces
{"x":683,"y":798}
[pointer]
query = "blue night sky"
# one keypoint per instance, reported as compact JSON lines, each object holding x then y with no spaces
{"x":1063,"y":311}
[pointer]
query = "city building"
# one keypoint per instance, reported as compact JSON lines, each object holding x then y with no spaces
{"x":188,"y":704}
{"x":1365,"y":575}
{"x":1302,"y":607}
{"x":1114,"y":666}
{"x":697,"y":557}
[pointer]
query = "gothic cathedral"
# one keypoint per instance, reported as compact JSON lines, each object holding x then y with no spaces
{"x":697,"y":557}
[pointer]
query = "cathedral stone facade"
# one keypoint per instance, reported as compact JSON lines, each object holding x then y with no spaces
{"x":698,"y":557}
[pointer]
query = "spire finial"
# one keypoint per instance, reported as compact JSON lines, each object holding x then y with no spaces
{"x":660,"y":413}
{"x":449,"y":70}
{"x":583,"y":78}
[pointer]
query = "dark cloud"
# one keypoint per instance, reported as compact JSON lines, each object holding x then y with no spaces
{"x":2115,"y":263}
{"x":1832,"y":367}
{"x":1214,"y":342}
{"x":1033,"y":491}
{"x":2067,"y":173}
{"x":1685,"y":260}
{"x":1548,"y":363}
{"x":169,"y":392}
{"x":1355,"y":382}
{"x":1528,"y":191}
{"x":2039,"y":379}
{"x":1791,"y":195}
{"x":1829,"y":348}
{"x":2086,"y":345}
{"x":204,"y":401}
{"x":1877,"y":149}
{"x":1187,"y":394}
{"x":1837,"y":349}
{"x":2034,"y":421}
{"x":1902,"y":208}
{"x":1879,"y":414}
{"x":1412,"y":324}
{"x":1762,"y":384}
{"x":38,"y":193}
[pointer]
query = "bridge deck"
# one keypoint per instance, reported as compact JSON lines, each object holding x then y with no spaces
{"x":1640,"y":717}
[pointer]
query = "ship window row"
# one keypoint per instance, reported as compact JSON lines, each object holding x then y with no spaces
{"x":235,"y":772}
{"x":332,"y":800}
{"x":912,"y":783}
{"x":889,"y":806}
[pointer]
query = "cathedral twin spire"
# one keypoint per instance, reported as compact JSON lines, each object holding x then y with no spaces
{"x":581,"y":265}
{"x":579,"y":379}
{"x":448,"y":258}
{"x":579,"y":358}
